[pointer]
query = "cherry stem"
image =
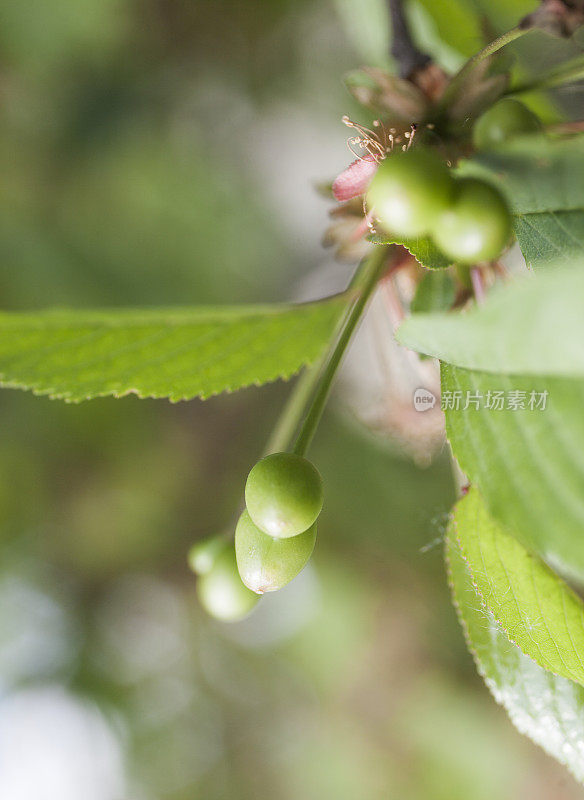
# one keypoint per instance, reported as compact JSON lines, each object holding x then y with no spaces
{"x":299,"y":399}
{"x":366,"y":279}
{"x":459,"y":80}
{"x":283,"y":433}
{"x":496,"y":45}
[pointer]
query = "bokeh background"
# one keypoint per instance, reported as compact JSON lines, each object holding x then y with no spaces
{"x":165,"y":152}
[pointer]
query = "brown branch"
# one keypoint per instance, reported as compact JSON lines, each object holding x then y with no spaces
{"x":559,"y":17}
{"x":403,"y":49}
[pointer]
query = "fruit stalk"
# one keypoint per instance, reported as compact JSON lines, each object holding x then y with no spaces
{"x":458,"y":82}
{"x":368,"y":275}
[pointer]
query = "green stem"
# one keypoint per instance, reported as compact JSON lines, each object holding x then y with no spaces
{"x":459,"y":80}
{"x":366,"y":280}
{"x":497,"y":44}
{"x":283,"y":434}
{"x":572,"y":71}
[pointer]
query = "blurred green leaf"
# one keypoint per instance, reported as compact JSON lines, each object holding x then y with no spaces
{"x":503,"y":13}
{"x":510,"y":333}
{"x":535,"y":608}
{"x":544,"y":238}
{"x":546,"y":707}
{"x":535,"y":173}
{"x":466,"y":36}
{"x":423,"y":250}
{"x":528,"y":464}
{"x":175,"y":353}
{"x":435,"y":292}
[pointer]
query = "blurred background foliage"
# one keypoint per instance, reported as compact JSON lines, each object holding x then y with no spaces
{"x":163,"y":152}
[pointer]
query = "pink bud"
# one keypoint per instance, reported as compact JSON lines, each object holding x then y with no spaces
{"x":354,"y":180}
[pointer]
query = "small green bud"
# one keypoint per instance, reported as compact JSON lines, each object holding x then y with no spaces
{"x":267,"y":564}
{"x":203,"y":554}
{"x":222,"y":592}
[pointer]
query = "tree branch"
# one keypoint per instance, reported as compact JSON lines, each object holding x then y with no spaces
{"x":559,"y":17}
{"x":405,"y":52}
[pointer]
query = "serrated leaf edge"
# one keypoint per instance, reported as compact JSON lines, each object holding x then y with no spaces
{"x":489,"y":682}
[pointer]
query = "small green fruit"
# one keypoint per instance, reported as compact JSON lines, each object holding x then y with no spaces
{"x":504,"y":120}
{"x":477,"y":225}
{"x":408,"y":191}
{"x":203,"y":554}
{"x":222,"y":592}
{"x":283,"y":494}
{"x":267,"y":564}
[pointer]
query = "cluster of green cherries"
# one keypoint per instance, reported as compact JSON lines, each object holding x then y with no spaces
{"x":274,"y":537}
{"x":414,"y":194}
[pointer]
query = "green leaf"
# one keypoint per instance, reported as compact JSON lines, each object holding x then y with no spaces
{"x":423,"y":250}
{"x":178,"y":353}
{"x":534,"y":607}
{"x":528,"y":464}
{"x":537,"y":174}
{"x":503,"y":14}
{"x":466,"y":35}
{"x":435,"y":292}
{"x":545,"y":238}
{"x":547,"y":708}
{"x":510,"y":333}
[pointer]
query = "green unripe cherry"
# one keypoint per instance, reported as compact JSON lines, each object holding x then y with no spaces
{"x":506,"y":119}
{"x":203,"y":554}
{"x":408,"y":191}
{"x":477,"y":225}
{"x":267,"y":564}
{"x":221,"y":591}
{"x":283,"y":494}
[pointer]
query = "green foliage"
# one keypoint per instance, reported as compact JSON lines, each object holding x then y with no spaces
{"x":523,"y":343}
{"x":546,"y":707}
{"x":175,"y":353}
{"x":535,"y":173}
{"x":435,"y":292}
{"x":423,"y":249}
{"x":534,"y":607}
{"x":466,"y":35}
{"x":131,"y":195}
{"x":510,"y":334}
{"x":527,"y":463}
{"x":550,"y":238}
